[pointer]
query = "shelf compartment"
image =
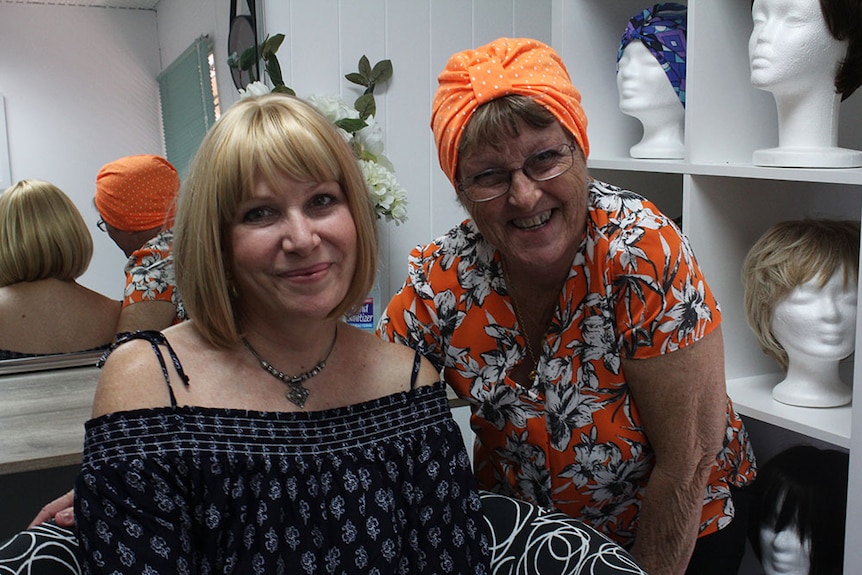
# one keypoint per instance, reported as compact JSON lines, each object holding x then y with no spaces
{"x":752,"y":396}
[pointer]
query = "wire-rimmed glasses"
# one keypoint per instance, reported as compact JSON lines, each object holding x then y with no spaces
{"x":540,"y":167}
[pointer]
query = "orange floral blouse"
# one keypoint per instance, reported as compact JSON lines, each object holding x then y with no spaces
{"x":150,"y":275}
{"x":575,"y":441}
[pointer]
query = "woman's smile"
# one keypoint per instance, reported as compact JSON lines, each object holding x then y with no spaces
{"x":533,"y":222}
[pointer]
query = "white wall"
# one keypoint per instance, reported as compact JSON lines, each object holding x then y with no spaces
{"x":80,"y":91}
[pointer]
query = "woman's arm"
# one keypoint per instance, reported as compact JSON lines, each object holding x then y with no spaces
{"x":682,"y":400}
{"x":114,"y":393}
{"x":131,"y":512}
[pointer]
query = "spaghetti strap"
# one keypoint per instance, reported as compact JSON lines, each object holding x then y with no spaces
{"x":156,"y":338}
{"x":417,"y":363}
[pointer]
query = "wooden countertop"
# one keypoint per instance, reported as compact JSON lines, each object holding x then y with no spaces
{"x":42,"y":417}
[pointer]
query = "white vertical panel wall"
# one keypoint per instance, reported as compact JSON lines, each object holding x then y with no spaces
{"x":325,"y":39}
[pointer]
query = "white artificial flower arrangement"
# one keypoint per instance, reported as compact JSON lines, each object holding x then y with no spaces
{"x":356,"y":123}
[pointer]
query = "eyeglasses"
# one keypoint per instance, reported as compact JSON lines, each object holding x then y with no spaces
{"x":101,"y":225}
{"x":540,"y":167}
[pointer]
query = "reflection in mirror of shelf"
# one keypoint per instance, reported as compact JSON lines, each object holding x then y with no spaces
{"x":48,"y":362}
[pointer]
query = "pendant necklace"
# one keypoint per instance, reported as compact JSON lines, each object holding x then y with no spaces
{"x":296,"y":393}
{"x":534,"y":374}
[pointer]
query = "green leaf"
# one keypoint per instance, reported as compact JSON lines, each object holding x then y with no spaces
{"x":365,"y":105}
{"x":247,"y":59}
{"x":271,"y":45}
{"x":357,"y":78}
{"x":273,"y":68}
{"x":382,"y":72}
{"x":282,"y":89}
{"x":350,"y":125}
{"x":365,"y":67}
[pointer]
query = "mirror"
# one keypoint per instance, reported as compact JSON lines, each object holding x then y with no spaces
{"x":98,"y":119}
{"x":242,"y":45}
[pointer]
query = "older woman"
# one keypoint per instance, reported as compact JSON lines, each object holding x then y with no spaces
{"x":45,"y":247}
{"x":573,"y":316}
{"x":136,"y":197}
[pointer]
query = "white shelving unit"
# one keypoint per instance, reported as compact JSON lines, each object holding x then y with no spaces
{"x":725,"y":202}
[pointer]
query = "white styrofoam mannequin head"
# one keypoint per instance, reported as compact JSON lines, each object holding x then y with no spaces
{"x":646,"y":94}
{"x":816,"y":326}
{"x":784,"y":552}
{"x":793,"y":55}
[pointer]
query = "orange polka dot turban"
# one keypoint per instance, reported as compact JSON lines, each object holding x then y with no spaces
{"x":137,"y":193}
{"x":505,"y":66}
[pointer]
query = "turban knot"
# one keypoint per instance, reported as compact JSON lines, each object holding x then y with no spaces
{"x":661,"y":29}
{"x":506,"y":66}
{"x":137,"y":193}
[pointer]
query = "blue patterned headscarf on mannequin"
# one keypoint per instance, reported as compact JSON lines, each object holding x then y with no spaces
{"x":662,"y":30}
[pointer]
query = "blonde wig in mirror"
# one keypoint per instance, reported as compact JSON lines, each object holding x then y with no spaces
{"x":42,"y":234}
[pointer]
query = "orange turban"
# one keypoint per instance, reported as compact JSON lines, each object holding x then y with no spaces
{"x":137,"y":193}
{"x":505,"y":66}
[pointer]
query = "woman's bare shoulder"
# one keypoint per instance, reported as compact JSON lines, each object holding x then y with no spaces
{"x":132,"y":378}
{"x":393,"y":362}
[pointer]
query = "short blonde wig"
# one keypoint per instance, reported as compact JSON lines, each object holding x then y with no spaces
{"x":259,"y":138}
{"x":787,"y":255}
{"x":42,"y":234}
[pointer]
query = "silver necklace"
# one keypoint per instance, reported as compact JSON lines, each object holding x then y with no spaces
{"x":296,"y":393}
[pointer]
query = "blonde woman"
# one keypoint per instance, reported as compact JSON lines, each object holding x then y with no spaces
{"x":44,"y":248}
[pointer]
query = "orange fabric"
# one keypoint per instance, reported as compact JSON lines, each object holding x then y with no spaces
{"x":505,"y":66}
{"x":137,"y":193}
{"x":150,"y":275}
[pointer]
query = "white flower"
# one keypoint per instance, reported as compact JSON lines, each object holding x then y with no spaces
{"x":257,"y":88}
{"x":333,"y":107}
{"x":390,"y":199}
{"x":369,"y":140}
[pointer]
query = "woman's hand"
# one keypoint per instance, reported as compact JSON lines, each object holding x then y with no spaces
{"x":60,"y":510}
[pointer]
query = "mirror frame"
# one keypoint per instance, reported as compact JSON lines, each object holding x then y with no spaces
{"x":242,"y":35}
{"x":21,"y":365}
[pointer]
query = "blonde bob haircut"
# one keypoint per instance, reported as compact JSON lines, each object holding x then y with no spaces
{"x":42,"y":234}
{"x":261,"y":138}
{"x":790,"y":254}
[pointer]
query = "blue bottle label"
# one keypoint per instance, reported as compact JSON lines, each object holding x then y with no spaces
{"x":364,"y":317}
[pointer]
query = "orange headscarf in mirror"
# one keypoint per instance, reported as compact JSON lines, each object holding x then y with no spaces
{"x":505,"y":66}
{"x":137,"y":193}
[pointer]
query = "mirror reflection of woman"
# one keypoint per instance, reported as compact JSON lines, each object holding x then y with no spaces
{"x":45,"y":246}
